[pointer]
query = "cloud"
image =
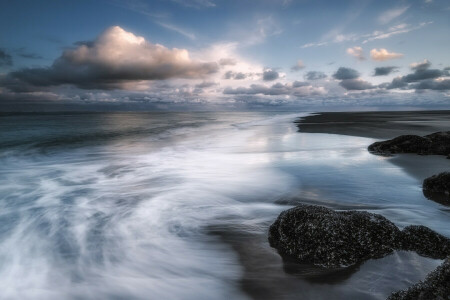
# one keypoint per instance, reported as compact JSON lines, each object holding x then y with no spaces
{"x":297,"y":89}
{"x":356,"y":52}
{"x":177,"y":29}
{"x":425,"y":64}
{"x":367,"y":37}
{"x":382,"y":71}
{"x":299,"y":83}
{"x":346,"y":73}
{"x":433,"y":84}
{"x":227,"y":62}
{"x":422,"y":78}
{"x":394,"y":30}
{"x":422,"y":74}
{"x":392,"y":14}
{"x":206,"y":84}
{"x":315,"y":75}
{"x":298,"y":66}
{"x":382,"y":54}
{"x":356,"y":84}
{"x":270,"y":75}
{"x":112,"y":61}
{"x":5,"y":59}
{"x":235,"y":75}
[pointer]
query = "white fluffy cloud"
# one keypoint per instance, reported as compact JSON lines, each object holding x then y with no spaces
{"x":383,"y":54}
{"x":115,"y":59}
{"x":356,"y":52}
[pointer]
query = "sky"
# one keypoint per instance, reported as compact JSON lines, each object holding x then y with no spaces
{"x":224,"y":55}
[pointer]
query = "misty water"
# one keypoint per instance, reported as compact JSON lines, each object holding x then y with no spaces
{"x":177,"y":206}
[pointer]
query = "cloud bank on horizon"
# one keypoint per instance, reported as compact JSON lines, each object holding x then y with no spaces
{"x":227,"y":54}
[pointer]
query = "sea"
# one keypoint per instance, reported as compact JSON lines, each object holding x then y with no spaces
{"x":155,"y":205}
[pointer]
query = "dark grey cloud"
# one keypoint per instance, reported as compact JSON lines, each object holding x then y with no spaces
{"x":300,"y":83}
{"x":235,"y":75}
{"x":397,"y":83}
{"x":356,"y":84}
{"x":383,"y":71}
{"x":206,"y":84}
{"x":276,"y":89}
{"x":270,"y":75}
{"x":315,"y":75}
{"x":423,"y":78}
{"x":297,"y":89}
{"x":421,"y":65}
{"x":95,"y":66}
{"x":349,"y":79}
{"x":5,"y":59}
{"x":422,"y":74}
{"x":430,"y":84}
{"x":346,"y":73}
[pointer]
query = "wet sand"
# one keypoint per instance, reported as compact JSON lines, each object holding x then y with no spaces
{"x":379,"y":124}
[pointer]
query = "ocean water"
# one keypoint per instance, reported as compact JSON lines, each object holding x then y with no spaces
{"x":177,"y":206}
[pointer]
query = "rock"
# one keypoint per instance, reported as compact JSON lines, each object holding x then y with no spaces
{"x":437,"y":187}
{"x":435,"y":286}
{"x":331,"y":239}
{"x":437,"y":143}
{"x":425,"y":242}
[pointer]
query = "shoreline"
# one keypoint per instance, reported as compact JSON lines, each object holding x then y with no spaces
{"x":386,"y":125}
{"x":373,"y":125}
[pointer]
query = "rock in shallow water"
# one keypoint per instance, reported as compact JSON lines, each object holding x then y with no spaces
{"x":437,"y":143}
{"x":425,"y":242}
{"x":435,"y":286}
{"x":333,"y":239}
{"x":437,"y":188}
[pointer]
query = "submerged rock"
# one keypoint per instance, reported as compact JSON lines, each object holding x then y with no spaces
{"x":437,"y":143}
{"x":332,"y":239}
{"x":435,"y":286}
{"x":437,"y":187}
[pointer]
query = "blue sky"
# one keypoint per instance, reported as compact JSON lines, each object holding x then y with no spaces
{"x":245,"y":54}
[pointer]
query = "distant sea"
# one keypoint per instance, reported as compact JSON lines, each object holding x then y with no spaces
{"x":177,"y":206}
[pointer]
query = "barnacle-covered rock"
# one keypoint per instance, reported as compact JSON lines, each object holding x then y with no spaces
{"x":436,"y":143}
{"x":332,"y":239}
{"x":335,"y":239}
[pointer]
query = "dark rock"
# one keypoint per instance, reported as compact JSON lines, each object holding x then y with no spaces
{"x":437,"y":187}
{"x":433,"y":144}
{"x":435,"y":286}
{"x":331,"y":239}
{"x":425,"y":242}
